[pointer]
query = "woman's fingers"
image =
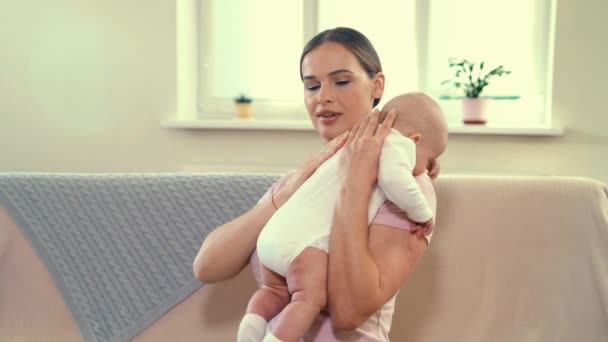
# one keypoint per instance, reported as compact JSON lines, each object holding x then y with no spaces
{"x":352,"y":134}
{"x":385,"y":128}
{"x":328,"y":151}
{"x":362,"y":127}
{"x":338,"y":143}
{"x":312,"y":164}
{"x":369,"y":126}
{"x":331,"y":148}
{"x":372,"y":123}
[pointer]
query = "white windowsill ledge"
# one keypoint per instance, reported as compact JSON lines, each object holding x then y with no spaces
{"x":239,"y":124}
{"x":503,"y":130}
{"x":302,"y":125}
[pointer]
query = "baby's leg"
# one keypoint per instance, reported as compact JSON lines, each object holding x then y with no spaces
{"x":272,"y":296}
{"x":265,"y":303}
{"x":307,"y":281}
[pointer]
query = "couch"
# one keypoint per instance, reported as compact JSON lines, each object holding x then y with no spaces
{"x":512,"y":259}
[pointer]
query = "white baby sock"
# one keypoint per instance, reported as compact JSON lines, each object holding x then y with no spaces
{"x":271,"y":338}
{"x":252,"y":328}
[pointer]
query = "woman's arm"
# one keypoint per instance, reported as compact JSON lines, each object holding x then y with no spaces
{"x":367,"y":265}
{"x":226,"y":250}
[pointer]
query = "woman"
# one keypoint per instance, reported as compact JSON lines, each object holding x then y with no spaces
{"x":343,"y":81}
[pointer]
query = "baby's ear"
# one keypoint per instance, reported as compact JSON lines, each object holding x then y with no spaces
{"x":416,"y":137}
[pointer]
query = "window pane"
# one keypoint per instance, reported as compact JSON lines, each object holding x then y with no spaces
{"x":255,"y":49}
{"x":390,"y":26}
{"x":510,"y":33}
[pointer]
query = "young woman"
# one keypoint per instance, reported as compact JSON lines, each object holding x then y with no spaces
{"x":368,"y":264}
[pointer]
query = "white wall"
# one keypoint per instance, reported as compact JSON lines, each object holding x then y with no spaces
{"x":84,"y":86}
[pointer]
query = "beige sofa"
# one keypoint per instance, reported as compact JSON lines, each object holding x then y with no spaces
{"x":513,"y":259}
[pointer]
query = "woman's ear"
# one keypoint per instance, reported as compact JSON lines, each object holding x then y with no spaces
{"x":378,"y":85}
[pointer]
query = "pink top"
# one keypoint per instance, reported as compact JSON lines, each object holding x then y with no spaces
{"x":377,"y":327}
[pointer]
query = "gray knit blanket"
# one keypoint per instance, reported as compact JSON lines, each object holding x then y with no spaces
{"x":120,"y":247}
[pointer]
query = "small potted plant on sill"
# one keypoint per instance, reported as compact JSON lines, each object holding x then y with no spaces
{"x":472,"y":80}
{"x":243,"y":106}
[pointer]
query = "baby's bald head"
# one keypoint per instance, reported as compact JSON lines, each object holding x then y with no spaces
{"x":419,"y":113}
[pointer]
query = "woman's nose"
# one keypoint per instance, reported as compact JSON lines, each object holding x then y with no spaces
{"x":325,"y":95}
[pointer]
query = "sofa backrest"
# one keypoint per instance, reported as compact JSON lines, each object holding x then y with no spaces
{"x":513,"y":259}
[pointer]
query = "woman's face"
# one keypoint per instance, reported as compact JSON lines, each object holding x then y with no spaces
{"x":337,"y":91}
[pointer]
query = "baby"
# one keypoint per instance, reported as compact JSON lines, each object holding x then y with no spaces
{"x":300,"y":229}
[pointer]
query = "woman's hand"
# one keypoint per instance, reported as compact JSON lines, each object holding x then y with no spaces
{"x":360,"y":159}
{"x":301,"y":175}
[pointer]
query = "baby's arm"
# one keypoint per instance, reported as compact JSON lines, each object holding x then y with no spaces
{"x":397,"y":161}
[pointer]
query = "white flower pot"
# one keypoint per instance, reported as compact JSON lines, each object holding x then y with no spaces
{"x":474,"y":110}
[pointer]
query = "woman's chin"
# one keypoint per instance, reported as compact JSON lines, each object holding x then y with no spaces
{"x":329,"y":129}
{"x":328,"y":133}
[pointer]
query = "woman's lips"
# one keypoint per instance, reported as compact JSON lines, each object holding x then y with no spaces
{"x":328,"y":118}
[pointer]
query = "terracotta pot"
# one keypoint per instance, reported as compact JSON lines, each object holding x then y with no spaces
{"x":474,"y":110}
{"x":244,"y":110}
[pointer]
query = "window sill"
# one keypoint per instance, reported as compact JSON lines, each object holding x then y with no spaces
{"x":239,"y":124}
{"x":505,"y":130}
{"x":304,"y":125}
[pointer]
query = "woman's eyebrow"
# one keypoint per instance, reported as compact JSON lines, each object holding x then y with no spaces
{"x":311,"y":77}
{"x":340,"y":71}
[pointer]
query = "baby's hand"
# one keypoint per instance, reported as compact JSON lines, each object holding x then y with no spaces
{"x":433,"y":168}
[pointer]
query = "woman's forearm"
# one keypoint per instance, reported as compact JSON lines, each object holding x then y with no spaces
{"x":226,"y":250}
{"x":353,"y":277}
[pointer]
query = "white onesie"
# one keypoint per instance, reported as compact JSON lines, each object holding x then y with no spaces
{"x":305,"y":219}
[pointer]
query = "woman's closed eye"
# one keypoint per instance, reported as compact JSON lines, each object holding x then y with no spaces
{"x":312,"y":87}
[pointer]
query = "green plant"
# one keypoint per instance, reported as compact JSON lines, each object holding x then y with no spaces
{"x":243,"y":99}
{"x":470,"y":79}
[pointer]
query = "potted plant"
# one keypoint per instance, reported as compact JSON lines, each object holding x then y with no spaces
{"x":243,"y":107}
{"x":472,"y":80}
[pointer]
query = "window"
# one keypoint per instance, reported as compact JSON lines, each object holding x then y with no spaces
{"x":513,"y":33}
{"x":253,"y":47}
{"x":391,"y":27}
{"x":244,"y":50}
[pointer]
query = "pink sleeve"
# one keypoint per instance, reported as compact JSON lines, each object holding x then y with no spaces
{"x":391,"y":215}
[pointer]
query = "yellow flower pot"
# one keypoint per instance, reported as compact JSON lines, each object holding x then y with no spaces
{"x":244,"y":110}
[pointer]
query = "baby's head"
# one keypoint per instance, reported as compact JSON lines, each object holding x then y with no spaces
{"x":420,"y":118}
